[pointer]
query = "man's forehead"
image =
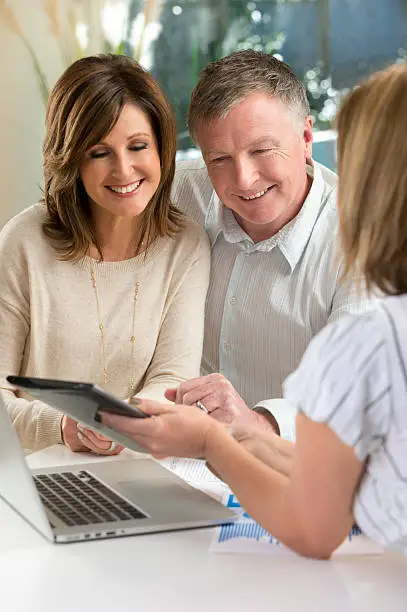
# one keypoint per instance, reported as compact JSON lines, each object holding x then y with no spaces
{"x":256,"y":118}
{"x":250,"y":141}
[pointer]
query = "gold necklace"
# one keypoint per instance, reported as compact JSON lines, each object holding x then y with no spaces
{"x":102,"y":331}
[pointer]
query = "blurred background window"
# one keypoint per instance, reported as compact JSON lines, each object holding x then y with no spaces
{"x":331,"y":45}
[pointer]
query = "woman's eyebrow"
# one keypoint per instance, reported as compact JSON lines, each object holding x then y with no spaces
{"x":135,"y":135}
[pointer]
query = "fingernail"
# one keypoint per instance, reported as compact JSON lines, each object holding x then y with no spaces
{"x":80,"y":436}
{"x":136,"y":401}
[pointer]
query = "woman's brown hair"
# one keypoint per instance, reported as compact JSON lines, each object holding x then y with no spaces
{"x":83,"y":107}
{"x":372,"y":166}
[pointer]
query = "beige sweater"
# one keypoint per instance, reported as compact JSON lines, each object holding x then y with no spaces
{"x":49,"y":320}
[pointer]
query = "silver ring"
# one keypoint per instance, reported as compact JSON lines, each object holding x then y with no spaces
{"x":112,"y":446}
{"x":202,"y":407}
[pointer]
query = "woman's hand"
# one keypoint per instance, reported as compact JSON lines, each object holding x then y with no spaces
{"x":82,"y":439}
{"x":266,"y":446}
{"x":171,"y":430}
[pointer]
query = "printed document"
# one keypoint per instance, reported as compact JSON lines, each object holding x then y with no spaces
{"x":245,"y":535}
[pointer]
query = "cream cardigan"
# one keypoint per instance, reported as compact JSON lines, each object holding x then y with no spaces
{"x":49,"y":320}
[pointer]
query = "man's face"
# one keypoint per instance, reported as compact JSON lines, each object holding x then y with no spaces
{"x":256,"y":159}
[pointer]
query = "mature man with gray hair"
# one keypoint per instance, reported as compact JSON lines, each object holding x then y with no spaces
{"x":270,"y":213}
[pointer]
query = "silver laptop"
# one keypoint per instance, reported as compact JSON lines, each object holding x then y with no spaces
{"x":100,"y":500}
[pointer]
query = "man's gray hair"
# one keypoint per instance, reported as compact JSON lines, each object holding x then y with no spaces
{"x":226,"y":82}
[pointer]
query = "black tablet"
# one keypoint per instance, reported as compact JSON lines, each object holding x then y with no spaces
{"x":81,"y":401}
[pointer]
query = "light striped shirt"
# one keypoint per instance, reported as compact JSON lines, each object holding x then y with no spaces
{"x":354,"y":378}
{"x":267,"y":300}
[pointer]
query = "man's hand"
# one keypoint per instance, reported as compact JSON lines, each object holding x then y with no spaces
{"x":220,"y":398}
{"x":82,"y":439}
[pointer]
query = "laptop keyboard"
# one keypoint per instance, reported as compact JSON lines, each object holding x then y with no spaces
{"x":78,"y":498}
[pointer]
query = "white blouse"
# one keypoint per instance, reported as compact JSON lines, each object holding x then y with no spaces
{"x":354,"y":378}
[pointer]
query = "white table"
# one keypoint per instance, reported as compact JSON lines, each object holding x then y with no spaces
{"x":176,"y":572}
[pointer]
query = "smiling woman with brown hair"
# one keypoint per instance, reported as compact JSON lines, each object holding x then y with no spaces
{"x":349,"y":462}
{"x":97,"y":279}
{"x":85,"y":106}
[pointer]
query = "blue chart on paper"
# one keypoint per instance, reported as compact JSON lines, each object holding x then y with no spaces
{"x":246,"y":527}
{"x":355,"y":531}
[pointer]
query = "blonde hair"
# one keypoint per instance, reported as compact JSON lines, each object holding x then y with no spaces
{"x":372,"y":167}
{"x":82,"y":108}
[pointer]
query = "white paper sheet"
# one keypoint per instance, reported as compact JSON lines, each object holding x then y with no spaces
{"x":195,"y":473}
{"x":245,"y":535}
{"x":191,"y":470}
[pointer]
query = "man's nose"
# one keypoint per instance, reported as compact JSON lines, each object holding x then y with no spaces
{"x":246,"y":173}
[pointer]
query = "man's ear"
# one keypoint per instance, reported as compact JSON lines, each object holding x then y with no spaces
{"x":307,"y":136}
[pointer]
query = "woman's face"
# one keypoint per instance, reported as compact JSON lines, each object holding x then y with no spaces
{"x":121,"y":173}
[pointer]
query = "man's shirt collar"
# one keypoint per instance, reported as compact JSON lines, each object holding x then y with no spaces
{"x":291,"y":239}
